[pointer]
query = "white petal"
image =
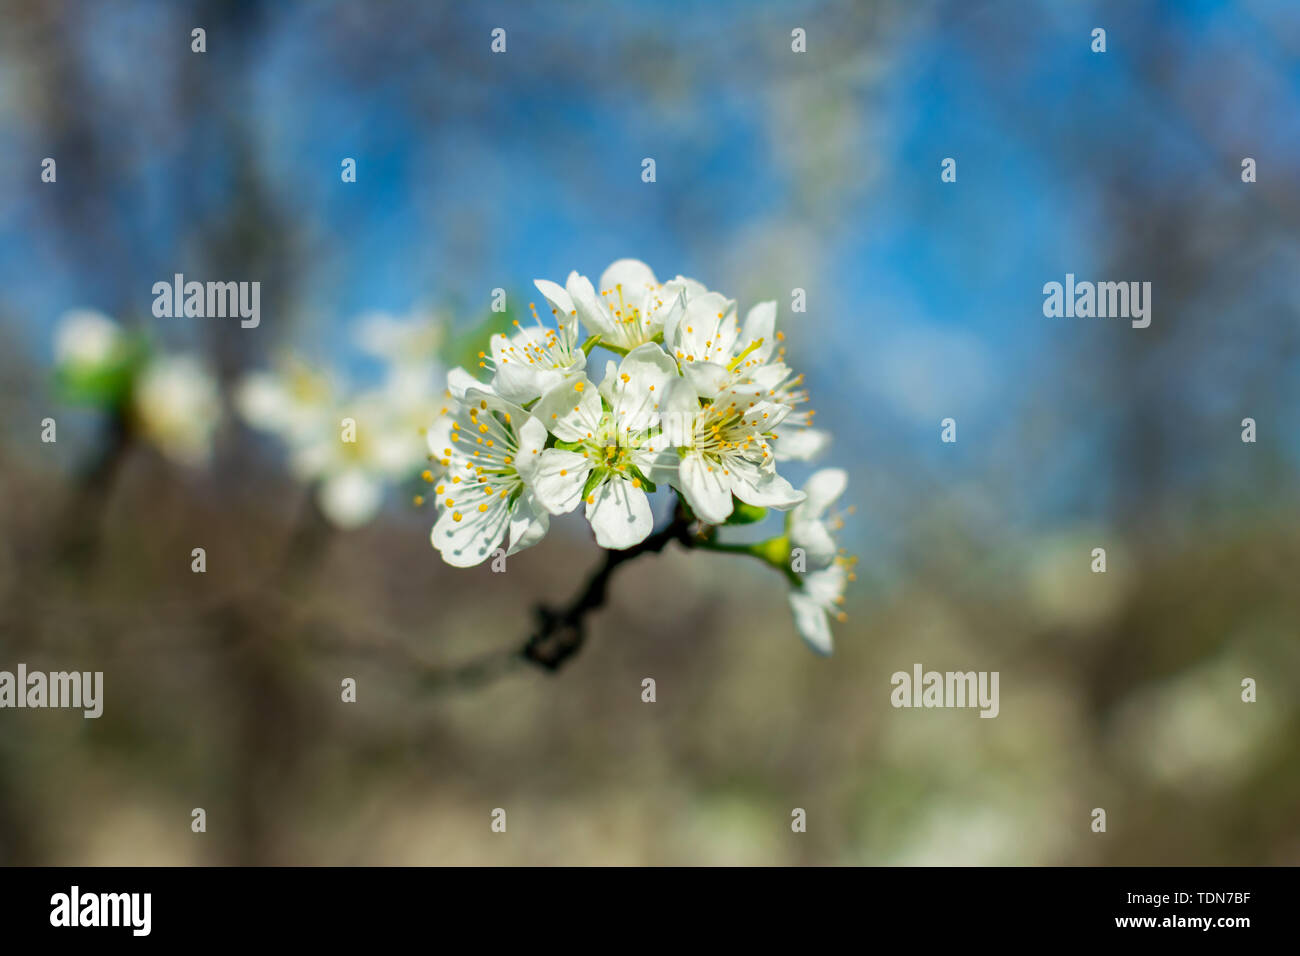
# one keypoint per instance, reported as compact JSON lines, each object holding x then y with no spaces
{"x":706,"y":488}
{"x":473,"y":538}
{"x":823,"y":489}
{"x":706,"y":331}
{"x":571,"y":410}
{"x":608,"y":381}
{"x":811,"y":623}
{"x":816,"y":541}
{"x":760,"y":325}
{"x":561,"y":304}
{"x":769,"y":376}
{"x":640,"y":386}
{"x":765,"y":416}
{"x":766,"y":489}
{"x":619,"y":514}
{"x":559,"y":493}
{"x":707,"y":378}
{"x":678,"y":412}
{"x":590,"y":310}
{"x":438,"y":436}
{"x":262,"y":401}
{"x":826,"y":587}
{"x":531,"y":437}
{"x":522,"y":383}
{"x":86,"y":338}
{"x":799,"y":444}
{"x":350,"y":499}
{"x":528,"y":523}
{"x":634,"y":275}
{"x":460,"y":381}
{"x":690,"y":287}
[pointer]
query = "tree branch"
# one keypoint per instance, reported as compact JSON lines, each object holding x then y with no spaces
{"x":560,"y":632}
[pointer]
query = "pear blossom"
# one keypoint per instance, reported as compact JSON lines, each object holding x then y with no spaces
{"x":610,"y":445}
{"x":490,"y":449}
{"x":630,"y":309}
{"x":724,"y":450}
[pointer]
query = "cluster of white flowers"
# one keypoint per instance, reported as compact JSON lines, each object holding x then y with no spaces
{"x":691,"y":397}
{"x":170,"y":399}
{"x":352,"y":445}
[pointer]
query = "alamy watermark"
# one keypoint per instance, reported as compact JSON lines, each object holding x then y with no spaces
{"x":950,"y":689}
{"x":1102,"y":300}
{"x":75,"y":908}
{"x":82,"y":690}
{"x":218,"y":300}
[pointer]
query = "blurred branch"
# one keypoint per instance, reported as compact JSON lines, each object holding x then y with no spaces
{"x":77,"y":539}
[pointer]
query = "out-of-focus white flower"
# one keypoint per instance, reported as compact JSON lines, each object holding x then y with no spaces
{"x":816,"y":602}
{"x":177,"y":407}
{"x":809,"y":526}
{"x":631,"y":308}
{"x":292,"y":401}
{"x":87,"y":339}
{"x":352,"y":446}
{"x":364,"y":444}
{"x":820,"y":591}
{"x":416,"y":339}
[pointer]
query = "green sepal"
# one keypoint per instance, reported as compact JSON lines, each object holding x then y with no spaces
{"x":108,"y":384}
{"x":646,"y":484}
{"x":743,"y":513}
{"x":594,"y":478}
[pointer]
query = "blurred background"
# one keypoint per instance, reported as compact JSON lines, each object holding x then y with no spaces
{"x":775,"y":171}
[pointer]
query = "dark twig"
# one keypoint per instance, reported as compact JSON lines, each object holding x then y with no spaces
{"x":560,"y":631}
